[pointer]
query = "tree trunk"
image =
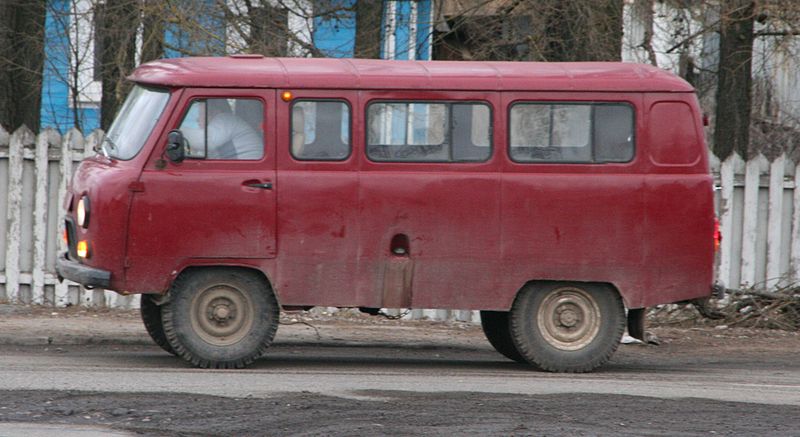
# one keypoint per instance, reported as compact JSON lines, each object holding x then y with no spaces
{"x":268,"y":30}
{"x":369,"y":16}
{"x":117,"y":32}
{"x":734,"y":80}
{"x":583,"y":30}
{"x":21,"y":62}
{"x":152,"y":30}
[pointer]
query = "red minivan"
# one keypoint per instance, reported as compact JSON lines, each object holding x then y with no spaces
{"x":549,"y":196}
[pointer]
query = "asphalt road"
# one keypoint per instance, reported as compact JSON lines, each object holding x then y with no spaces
{"x":347,"y":370}
{"x":351,"y":379}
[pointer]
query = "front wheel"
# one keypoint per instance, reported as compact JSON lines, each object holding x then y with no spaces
{"x":220,"y":318}
{"x":151,"y":316}
{"x":567,"y":327}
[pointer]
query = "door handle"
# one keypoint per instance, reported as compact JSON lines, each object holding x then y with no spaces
{"x":262,"y":185}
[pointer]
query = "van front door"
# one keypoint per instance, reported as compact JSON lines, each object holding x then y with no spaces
{"x":218,"y":205}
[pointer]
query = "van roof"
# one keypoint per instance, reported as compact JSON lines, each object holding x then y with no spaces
{"x":255,"y":71}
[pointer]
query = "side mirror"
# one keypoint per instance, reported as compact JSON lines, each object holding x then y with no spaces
{"x":176,"y":152}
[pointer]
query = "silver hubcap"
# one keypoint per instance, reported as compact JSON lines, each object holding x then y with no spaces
{"x":569,"y":318}
{"x":222,"y":315}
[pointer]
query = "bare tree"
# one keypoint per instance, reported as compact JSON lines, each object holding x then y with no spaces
{"x":21,"y":62}
{"x":546,"y":30}
{"x":583,"y":30}
{"x":116,"y":24}
{"x":369,"y":16}
{"x":152,"y":30}
{"x":734,"y":86}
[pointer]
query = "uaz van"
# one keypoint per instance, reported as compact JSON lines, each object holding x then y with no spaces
{"x":552,"y":197}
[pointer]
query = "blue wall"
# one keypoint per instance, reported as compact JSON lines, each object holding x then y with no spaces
{"x":56,"y":111}
{"x":335,"y":37}
{"x":208,"y":42}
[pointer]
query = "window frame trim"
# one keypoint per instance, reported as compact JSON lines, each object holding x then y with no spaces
{"x":187,"y":107}
{"x":592,"y":104}
{"x":349,"y":127}
{"x":486,"y":103}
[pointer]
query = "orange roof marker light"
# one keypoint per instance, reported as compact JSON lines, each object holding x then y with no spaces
{"x":286,"y":96}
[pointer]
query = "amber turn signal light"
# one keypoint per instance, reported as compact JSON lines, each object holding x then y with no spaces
{"x":83,"y":249}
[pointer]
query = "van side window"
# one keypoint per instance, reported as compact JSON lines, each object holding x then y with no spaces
{"x":320,"y":130}
{"x":224,"y":129}
{"x":429,"y":132}
{"x":565,"y":132}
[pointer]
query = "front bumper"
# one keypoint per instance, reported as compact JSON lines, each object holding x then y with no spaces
{"x":85,"y":275}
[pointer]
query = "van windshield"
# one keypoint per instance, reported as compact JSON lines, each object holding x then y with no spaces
{"x":135,"y":121}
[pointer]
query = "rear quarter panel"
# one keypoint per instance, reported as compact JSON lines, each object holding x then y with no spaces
{"x":644,"y":226}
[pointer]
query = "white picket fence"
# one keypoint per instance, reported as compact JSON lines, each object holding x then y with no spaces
{"x":758,"y":203}
{"x":35,"y":171}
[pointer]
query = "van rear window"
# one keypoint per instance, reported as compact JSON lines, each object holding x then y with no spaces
{"x":429,"y":132}
{"x":570,"y":132}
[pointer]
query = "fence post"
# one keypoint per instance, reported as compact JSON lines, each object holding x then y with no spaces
{"x":752,"y":181}
{"x":729,"y":168}
{"x":794,"y":265}
{"x":4,"y":139}
{"x":72,"y":140}
{"x":19,"y":139}
{"x":43,"y":142}
{"x":774,"y":221}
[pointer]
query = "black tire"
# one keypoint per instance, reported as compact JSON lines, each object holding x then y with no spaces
{"x":222,"y":318}
{"x":567,"y":327}
{"x":496,"y":327}
{"x":151,"y":316}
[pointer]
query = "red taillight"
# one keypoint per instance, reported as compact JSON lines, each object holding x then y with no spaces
{"x":717,"y":234}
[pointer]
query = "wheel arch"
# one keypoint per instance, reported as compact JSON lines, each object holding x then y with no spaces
{"x":191,"y":268}
{"x":539,"y":282}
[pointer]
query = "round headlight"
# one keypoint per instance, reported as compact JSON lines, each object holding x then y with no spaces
{"x":82,"y":212}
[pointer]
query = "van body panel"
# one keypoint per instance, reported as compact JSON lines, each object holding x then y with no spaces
{"x":452,"y":223}
{"x":318,"y":235}
{"x":106,"y":184}
{"x":678,"y":250}
{"x":201,"y":209}
{"x":591,"y":231}
{"x":317,"y":224}
{"x":109,"y":185}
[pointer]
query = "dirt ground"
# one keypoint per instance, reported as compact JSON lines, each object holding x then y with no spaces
{"x":406,"y":412}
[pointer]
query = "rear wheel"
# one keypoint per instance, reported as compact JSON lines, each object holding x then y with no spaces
{"x":567,"y":327}
{"x":220,"y":318}
{"x":496,"y":327}
{"x":151,"y":316}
